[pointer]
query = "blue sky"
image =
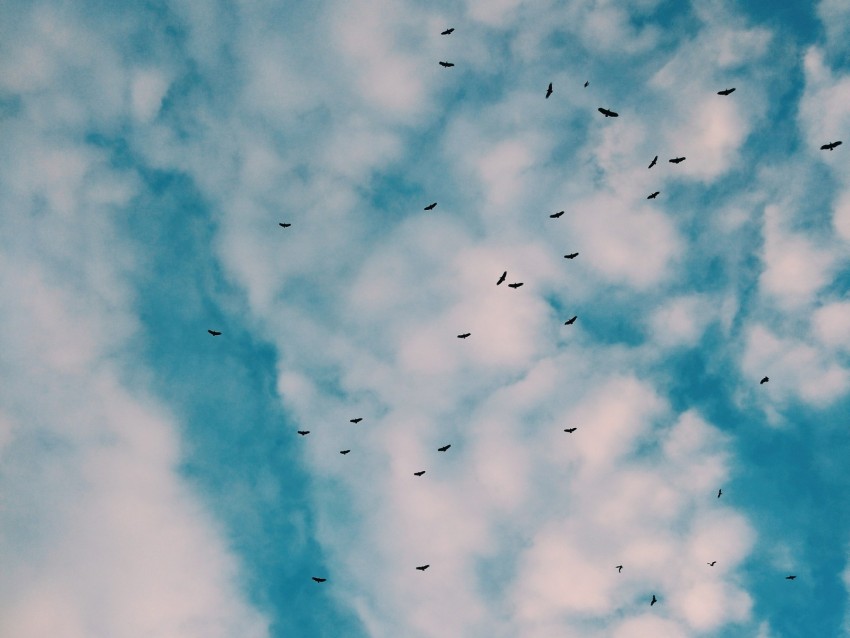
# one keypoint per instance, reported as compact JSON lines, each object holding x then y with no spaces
{"x":152,"y":482}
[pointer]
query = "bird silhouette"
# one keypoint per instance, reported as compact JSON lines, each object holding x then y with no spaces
{"x":556,"y":215}
{"x":619,"y":569}
{"x":549,"y":91}
{"x":586,"y":82}
{"x":444,"y":448}
{"x":284,"y":225}
{"x":677,"y":160}
{"x":765,"y":380}
{"x":502,"y":278}
{"x":570,"y":430}
{"x":214,"y":333}
{"x":357,"y":420}
{"x":653,"y":162}
{"x":464,"y":335}
{"x":608,"y":112}
{"x":719,"y":492}
{"x":422,"y":568}
{"x":419,"y":473}
{"x":790,"y":577}
{"x":654,"y":195}
{"x":516,"y":285}
{"x":571,"y":256}
{"x":448,"y":31}
{"x":831,"y":146}
{"x":446,"y":64}
{"x":654,"y":600}
{"x":344,"y":452}
{"x":726,"y":91}
{"x":570,"y":322}
{"x":303,"y":432}
{"x":712,"y":563}
{"x":319,"y":580}
{"x":431,"y":206}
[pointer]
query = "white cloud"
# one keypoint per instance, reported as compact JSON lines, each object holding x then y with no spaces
{"x":829,"y":324}
{"x":147,"y":90}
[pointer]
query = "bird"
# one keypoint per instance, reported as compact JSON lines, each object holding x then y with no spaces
{"x":422,"y":568}
{"x":319,"y":580}
{"x":790,"y":577}
{"x":654,"y":600}
{"x":726,"y":91}
{"x":214,"y":333}
{"x":765,"y":380}
{"x":444,"y":448}
{"x":653,"y":162}
{"x":712,"y":563}
{"x":516,"y":285}
{"x":446,"y":64}
{"x":677,"y":160}
{"x":284,"y":225}
{"x":357,"y":420}
{"x":608,"y":112}
{"x":431,"y":206}
{"x":556,"y":215}
{"x":303,"y":432}
{"x":654,"y":195}
{"x":586,"y":82}
{"x":502,"y":278}
{"x":570,"y":322}
{"x":619,"y":569}
{"x":571,"y":256}
{"x":344,"y":452}
{"x":719,"y":492}
{"x":448,"y":31}
{"x":464,"y":335}
{"x":570,"y":430}
{"x":419,"y":473}
{"x":549,"y":91}
{"x":831,"y":146}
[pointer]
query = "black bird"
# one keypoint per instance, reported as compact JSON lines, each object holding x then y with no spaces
{"x":357,"y":420}
{"x":214,"y":333}
{"x":448,"y":31}
{"x":516,"y":285}
{"x":831,"y":146}
{"x":556,"y":215}
{"x":677,"y":160}
{"x":654,"y":600}
{"x":431,"y":206}
{"x":446,"y":64}
{"x":319,"y":580}
{"x":619,"y":569}
{"x":726,"y":91}
{"x":765,"y":380}
{"x":712,"y":563}
{"x":654,"y":195}
{"x":653,"y":162}
{"x":570,"y":322}
{"x":790,"y":577}
{"x":586,"y":83}
{"x":464,"y":335}
{"x":419,"y":473}
{"x":571,"y":256}
{"x":284,"y":225}
{"x":570,"y":430}
{"x":502,"y":278}
{"x":422,"y":568}
{"x":719,"y":492}
{"x":343,"y":452}
{"x":549,"y":91}
{"x":444,"y":448}
{"x":303,"y":432}
{"x":607,"y":112}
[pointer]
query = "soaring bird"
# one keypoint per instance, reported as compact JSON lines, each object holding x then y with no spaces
{"x":431,"y":206}
{"x":654,"y":600}
{"x":790,"y":577}
{"x":303,"y":432}
{"x":831,"y":146}
{"x":284,"y":225}
{"x":712,"y":563}
{"x":653,"y":162}
{"x":357,"y":420}
{"x":344,"y":452}
{"x":586,"y":82}
{"x":502,"y":278}
{"x":464,"y":335}
{"x":556,"y":215}
{"x":719,"y":492}
{"x":422,"y":568}
{"x":319,"y":580}
{"x":448,"y":31}
{"x":214,"y":333}
{"x":549,"y":91}
{"x":571,"y":256}
{"x":570,"y":430}
{"x":419,"y":473}
{"x":726,"y":91}
{"x":516,"y":285}
{"x":677,"y":160}
{"x":654,"y":195}
{"x":607,"y":112}
{"x":446,"y":64}
{"x":444,"y":448}
{"x":765,"y":380}
{"x":570,"y":322}
{"x":619,"y":569}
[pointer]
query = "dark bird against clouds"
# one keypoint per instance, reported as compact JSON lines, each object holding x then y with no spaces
{"x":284,"y":225}
{"x":357,"y":420}
{"x":446,"y":64}
{"x":570,"y":322}
{"x":444,"y":448}
{"x":319,"y":580}
{"x":653,"y":162}
{"x":726,"y":91}
{"x":303,"y":432}
{"x":654,"y":600}
{"x":344,"y":452}
{"x":464,"y":335}
{"x":571,"y":256}
{"x":677,"y":160}
{"x":431,"y":206}
{"x":586,"y":82}
{"x":619,"y":569}
{"x":608,"y":112}
{"x":549,"y":91}
{"x":448,"y":31}
{"x":790,"y":577}
{"x":570,"y":430}
{"x":831,"y":146}
{"x":765,"y":380}
{"x":712,"y":563}
{"x":654,"y":195}
{"x":556,"y":215}
{"x":719,"y":492}
{"x":419,"y":473}
{"x":214,"y":333}
{"x":422,"y":568}
{"x":502,"y":278}
{"x":516,"y":285}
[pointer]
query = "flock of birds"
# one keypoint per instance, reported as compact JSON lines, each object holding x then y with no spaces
{"x":675,"y":160}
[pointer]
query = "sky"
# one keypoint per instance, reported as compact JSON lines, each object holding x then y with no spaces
{"x":152,"y":479}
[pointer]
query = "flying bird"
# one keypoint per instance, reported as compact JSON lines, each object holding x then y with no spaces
{"x":653,"y":162}
{"x":726,"y":91}
{"x":607,"y":112}
{"x":502,"y":278}
{"x":556,"y":215}
{"x":712,"y":563}
{"x":214,"y":333}
{"x":284,"y":225}
{"x":790,"y":577}
{"x":422,"y":568}
{"x":719,"y":492}
{"x":431,"y":206}
{"x":303,"y":432}
{"x":357,"y":420}
{"x":549,"y":91}
{"x":677,"y":160}
{"x":444,"y":448}
{"x":619,"y":569}
{"x":446,"y":64}
{"x":831,"y":146}
{"x":654,"y":195}
{"x":419,"y":473}
{"x":654,"y":600}
{"x":765,"y":380}
{"x":586,"y":82}
{"x":319,"y":580}
{"x":344,"y":452}
{"x":448,"y":31}
{"x":464,"y":335}
{"x":516,"y":285}
{"x":571,"y":256}
{"x":570,"y":430}
{"x":570,"y":322}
